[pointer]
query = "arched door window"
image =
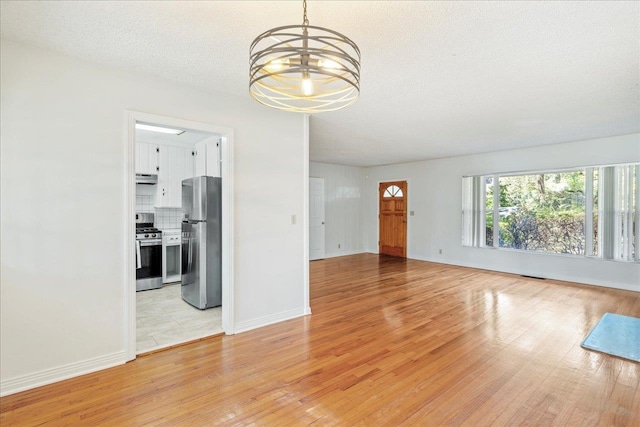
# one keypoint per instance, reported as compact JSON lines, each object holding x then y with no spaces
{"x":393,"y":191}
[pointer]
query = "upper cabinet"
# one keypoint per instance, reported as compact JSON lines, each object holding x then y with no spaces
{"x":207,"y":157}
{"x":200,"y":159}
{"x":146,"y":158}
{"x":175,"y":164}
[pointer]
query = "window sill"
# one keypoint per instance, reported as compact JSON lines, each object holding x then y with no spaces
{"x":520,"y":251}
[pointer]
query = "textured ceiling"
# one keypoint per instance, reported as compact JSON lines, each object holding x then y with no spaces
{"x":438,"y":78}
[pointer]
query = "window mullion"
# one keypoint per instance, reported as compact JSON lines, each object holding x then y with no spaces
{"x":627,"y":198}
{"x":476,"y":208}
{"x":601,"y":197}
{"x":637,"y":213}
{"x":617,"y":223}
{"x":482,"y":209}
{"x":588,"y":215}
{"x":607,"y":200}
{"x":466,"y":208}
{"x":496,"y":207}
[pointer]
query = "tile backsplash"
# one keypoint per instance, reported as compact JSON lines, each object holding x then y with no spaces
{"x":144,"y":203}
{"x":165,"y":218}
{"x":168,"y":218}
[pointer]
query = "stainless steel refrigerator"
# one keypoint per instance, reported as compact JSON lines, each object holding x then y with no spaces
{"x":202,"y":241}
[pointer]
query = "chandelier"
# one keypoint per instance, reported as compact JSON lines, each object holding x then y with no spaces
{"x":304,"y":68}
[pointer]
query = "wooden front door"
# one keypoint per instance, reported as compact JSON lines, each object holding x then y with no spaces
{"x":393,"y":218}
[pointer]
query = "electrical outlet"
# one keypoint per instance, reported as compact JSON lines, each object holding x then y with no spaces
{"x":338,"y":245}
{"x":410,"y":213}
{"x":440,"y":251}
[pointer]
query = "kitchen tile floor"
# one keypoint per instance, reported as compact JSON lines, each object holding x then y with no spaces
{"x":163,"y":319}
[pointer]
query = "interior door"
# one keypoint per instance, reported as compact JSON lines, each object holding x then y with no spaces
{"x":316,"y":218}
{"x":393,"y":218}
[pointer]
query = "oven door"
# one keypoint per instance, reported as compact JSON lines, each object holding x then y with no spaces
{"x":149,"y":264}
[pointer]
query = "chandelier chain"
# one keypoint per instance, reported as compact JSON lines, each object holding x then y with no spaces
{"x":305,"y":20}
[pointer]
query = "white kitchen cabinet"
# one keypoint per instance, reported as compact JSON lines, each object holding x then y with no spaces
{"x":146,"y":158}
{"x":189,"y":163}
{"x":175,"y":164}
{"x":207,"y":161}
{"x":200,"y":159}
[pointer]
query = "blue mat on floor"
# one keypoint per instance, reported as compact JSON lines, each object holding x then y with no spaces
{"x":617,"y":335}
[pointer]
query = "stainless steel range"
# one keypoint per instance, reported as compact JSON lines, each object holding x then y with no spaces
{"x":148,"y":253}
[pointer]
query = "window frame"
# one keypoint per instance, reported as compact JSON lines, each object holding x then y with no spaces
{"x":613,"y":221}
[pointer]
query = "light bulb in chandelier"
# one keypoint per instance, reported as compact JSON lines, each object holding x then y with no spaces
{"x":328,"y":64}
{"x":307,"y":86}
{"x":277,"y":64}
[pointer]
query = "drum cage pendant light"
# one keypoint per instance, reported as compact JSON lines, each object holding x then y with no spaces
{"x":304,"y":68}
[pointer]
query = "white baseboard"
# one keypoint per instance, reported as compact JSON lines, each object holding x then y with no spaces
{"x":343,"y":253}
{"x":248,"y":325}
{"x":52,"y":375}
{"x":553,"y":276}
{"x":582,"y":280}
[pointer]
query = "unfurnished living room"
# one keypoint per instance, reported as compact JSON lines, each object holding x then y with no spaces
{"x":302,"y":212}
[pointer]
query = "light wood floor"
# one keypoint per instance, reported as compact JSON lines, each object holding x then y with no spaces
{"x":390,"y":342}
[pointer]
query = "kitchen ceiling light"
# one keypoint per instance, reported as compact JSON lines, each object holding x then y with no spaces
{"x":159,"y":129}
{"x":304,"y":68}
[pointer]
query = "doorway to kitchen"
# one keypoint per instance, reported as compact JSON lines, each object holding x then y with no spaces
{"x":179,"y":204}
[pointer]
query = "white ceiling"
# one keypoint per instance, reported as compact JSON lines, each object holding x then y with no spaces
{"x":438,"y":78}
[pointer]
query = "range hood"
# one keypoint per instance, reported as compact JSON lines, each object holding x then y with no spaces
{"x":145,"y":179}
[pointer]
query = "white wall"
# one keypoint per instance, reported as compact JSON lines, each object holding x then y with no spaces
{"x":63,"y":221}
{"x":344,"y":191}
{"x":435,"y":196}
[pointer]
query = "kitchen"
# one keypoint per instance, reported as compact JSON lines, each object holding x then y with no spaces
{"x":178,"y":236}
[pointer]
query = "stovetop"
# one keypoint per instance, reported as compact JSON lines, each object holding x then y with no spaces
{"x":145,"y":231}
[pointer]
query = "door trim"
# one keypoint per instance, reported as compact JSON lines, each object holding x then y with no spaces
{"x":324,"y":246}
{"x":305,"y":214}
{"x":377,"y":245}
{"x":129,"y":137}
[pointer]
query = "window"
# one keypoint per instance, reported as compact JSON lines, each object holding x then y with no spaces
{"x":590,"y":211}
{"x":392,"y":191}
{"x":543,"y":212}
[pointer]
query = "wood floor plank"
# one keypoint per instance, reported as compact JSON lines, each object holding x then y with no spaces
{"x":390,"y":342}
